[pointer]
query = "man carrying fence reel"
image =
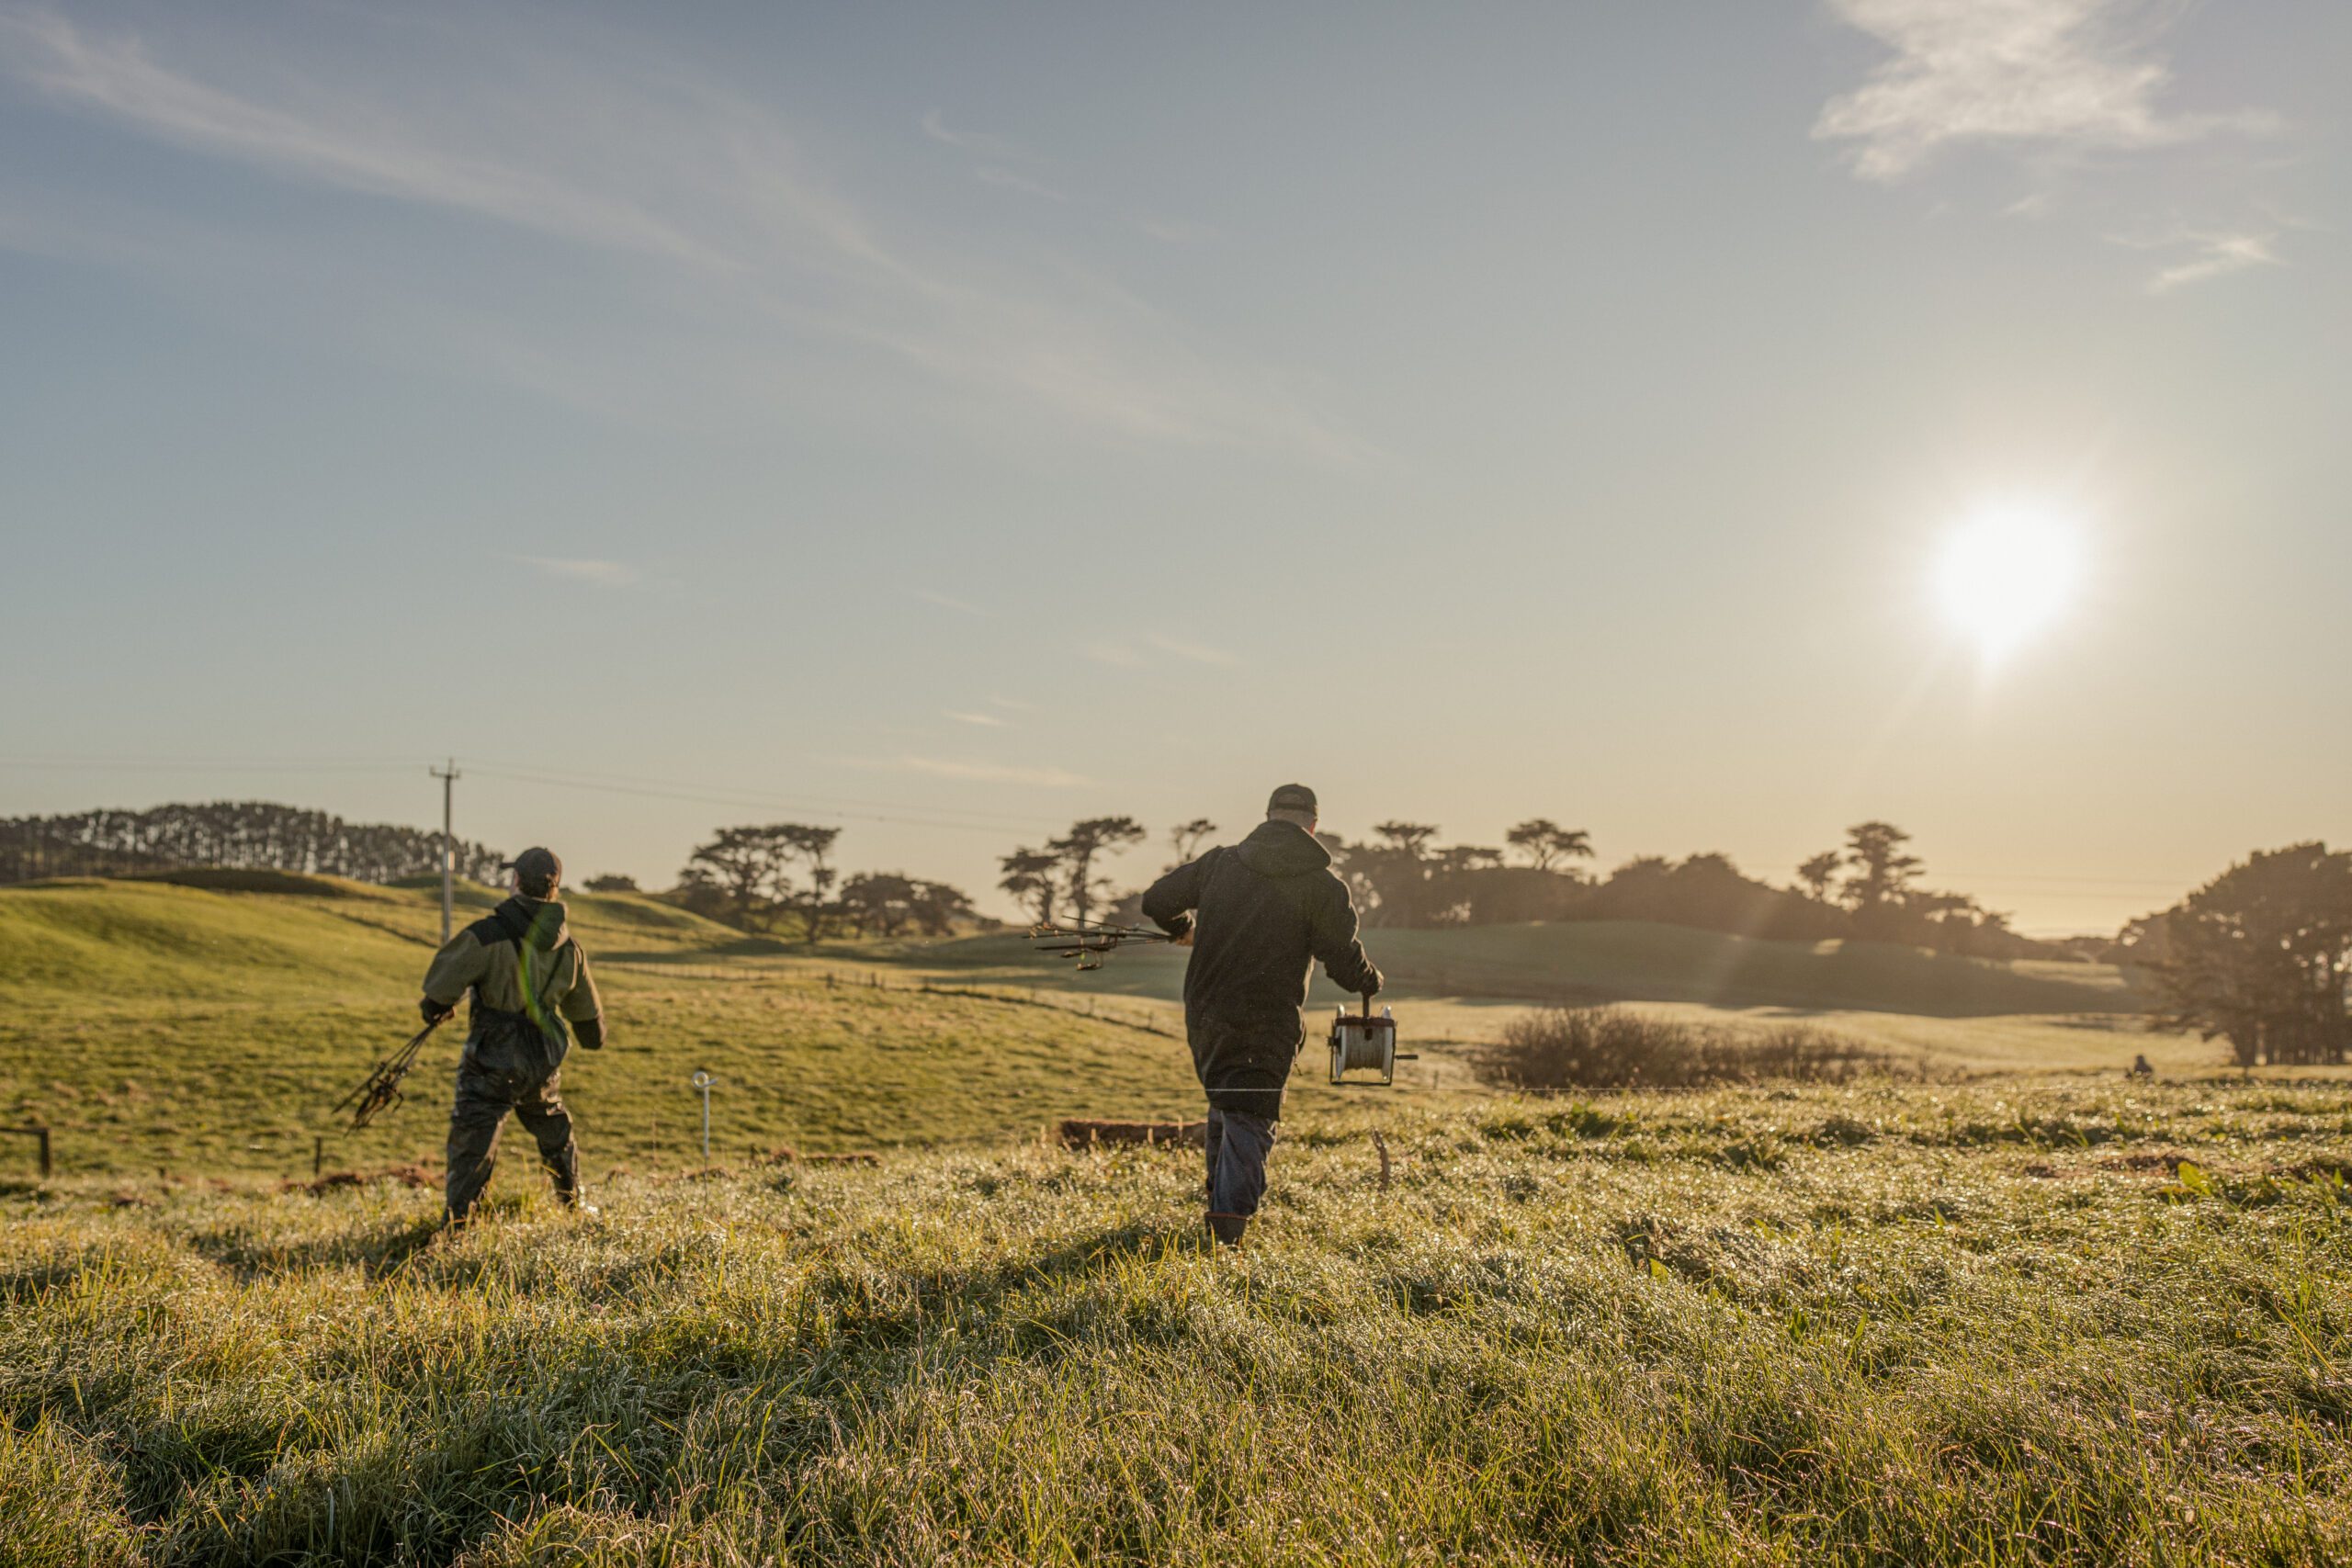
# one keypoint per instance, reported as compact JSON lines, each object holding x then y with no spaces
{"x":1268,"y":909}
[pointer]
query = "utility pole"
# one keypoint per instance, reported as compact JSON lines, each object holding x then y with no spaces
{"x":448,"y":777}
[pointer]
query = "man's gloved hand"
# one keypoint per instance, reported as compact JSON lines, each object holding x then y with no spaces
{"x":589,"y":1033}
{"x":1179,"y":930}
{"x":434,"y":1011}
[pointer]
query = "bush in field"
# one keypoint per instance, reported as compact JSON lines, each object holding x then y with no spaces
{"x":1607,"y":1047}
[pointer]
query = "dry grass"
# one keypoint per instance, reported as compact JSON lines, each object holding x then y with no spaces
{"x":1874,"y":1325}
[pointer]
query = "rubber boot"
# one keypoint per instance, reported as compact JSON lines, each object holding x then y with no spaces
{"x":1228,"y":1229}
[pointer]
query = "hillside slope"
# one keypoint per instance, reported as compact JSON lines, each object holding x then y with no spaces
{"x":156,"y":1026}
{"x":1820,"y":1328}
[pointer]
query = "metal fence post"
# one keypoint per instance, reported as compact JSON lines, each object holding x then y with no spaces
{"x":702,"y":1080}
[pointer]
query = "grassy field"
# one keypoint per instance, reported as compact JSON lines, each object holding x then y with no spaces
{"x":164,"y":1027}
{"x":2063,"y":1324}
{"x":160,"y":1028}
{"x":2040,"y":1318}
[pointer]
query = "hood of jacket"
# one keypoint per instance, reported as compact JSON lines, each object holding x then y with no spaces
{"x":1283,"y":849}
{"x":539,"y":920}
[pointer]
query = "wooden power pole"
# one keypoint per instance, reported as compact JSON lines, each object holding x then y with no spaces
{"x":448,"y":777}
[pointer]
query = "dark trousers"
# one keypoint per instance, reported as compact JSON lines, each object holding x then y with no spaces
{"x":1238,"y":1143}
{"x":484,"y":1097}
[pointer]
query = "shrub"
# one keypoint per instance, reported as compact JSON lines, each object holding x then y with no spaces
{"x":1607,"y":1047}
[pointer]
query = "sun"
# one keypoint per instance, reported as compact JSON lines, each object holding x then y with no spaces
{"x":2008,"y":573}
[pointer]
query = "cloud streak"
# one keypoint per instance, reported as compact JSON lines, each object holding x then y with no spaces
{"x":1197,"y":653}
{"x":946,"y":602}
{"x":570,"y":569}
{"x":2218,"y":255}
{"x":934,"y":125}
{"x":702,"y":189}
{"x":2006,"y":72}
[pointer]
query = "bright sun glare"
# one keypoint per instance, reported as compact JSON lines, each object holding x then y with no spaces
{"x":2006,"y":573}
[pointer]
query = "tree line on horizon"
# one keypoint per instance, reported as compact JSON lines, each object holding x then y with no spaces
{"x":780,"y":876}
{"x":234,"y":835}
{"x":1401,"y":877}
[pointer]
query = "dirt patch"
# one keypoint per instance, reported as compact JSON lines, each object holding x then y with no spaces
{"x":398,"y":1175}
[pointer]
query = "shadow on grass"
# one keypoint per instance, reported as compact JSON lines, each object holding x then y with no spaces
{"x":375,"y":1250}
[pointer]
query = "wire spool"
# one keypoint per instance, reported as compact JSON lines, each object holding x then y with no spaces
{"x":1363,"y":1043}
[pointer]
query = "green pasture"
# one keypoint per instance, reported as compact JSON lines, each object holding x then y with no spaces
{"x":2048,"y":1324}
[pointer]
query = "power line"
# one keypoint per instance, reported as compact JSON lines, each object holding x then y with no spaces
{"x":113,"y":765}
{"x":845,"y":804}
{"x":958,"y":819}
{"x":738,"y":803}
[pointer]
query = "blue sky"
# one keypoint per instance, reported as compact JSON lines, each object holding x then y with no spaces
{"x":951,"y":421}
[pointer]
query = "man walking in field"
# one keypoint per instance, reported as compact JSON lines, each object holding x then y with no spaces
{"x":1268,"y":909}
{"x":528,"y":979}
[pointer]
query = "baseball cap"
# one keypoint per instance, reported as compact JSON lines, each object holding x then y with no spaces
{"x":536,"y":869}
{"x":1292,"y":798}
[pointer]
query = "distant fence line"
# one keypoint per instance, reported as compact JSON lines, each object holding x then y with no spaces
{"x":873,"y":980}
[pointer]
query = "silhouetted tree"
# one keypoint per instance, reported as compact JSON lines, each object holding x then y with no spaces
{"x":1882,"y":872}
{"x":1404,"y":838}
{"x":611,"y":882}
{"x":887,"y":903}
{"x":1030,"y":876}
{"x":879,"y":903}
{"x":1546,"y":843}
{"x":940,"y":909}
{"x":1080,"y":848}
{"x":1185,"y":839}
{"x":2261,"y":954}
{"x":1816,"y":875}
{"x":811,"y":896}
{"x":744,"y":865}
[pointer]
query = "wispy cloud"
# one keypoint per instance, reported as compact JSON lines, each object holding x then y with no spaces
{"x":117,"y":78}
{"x":604,"y":573}
{"x":977,"y":772}
{"x":2216,"y":255}
{"x":2068,"y":73}
{"x":598,"y":144}
{"x":985,"y":720}
{"x":934,"y":125}
{"x":1008,"y":179}
{"x":1198,"y":653}
{"x":1115,"y":653}
{"x":945,"y":601}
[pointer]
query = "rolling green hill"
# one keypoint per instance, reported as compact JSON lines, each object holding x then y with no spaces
{"x":158,"y":1026}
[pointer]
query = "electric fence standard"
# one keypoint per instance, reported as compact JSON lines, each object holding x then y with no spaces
{"x":381,"y":1090}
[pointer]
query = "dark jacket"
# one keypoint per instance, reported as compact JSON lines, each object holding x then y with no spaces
{"x":1270,"y":907}
{"x":527,"y":978}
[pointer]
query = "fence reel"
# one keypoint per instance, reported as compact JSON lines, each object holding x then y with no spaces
{"x":1361,"y":1043}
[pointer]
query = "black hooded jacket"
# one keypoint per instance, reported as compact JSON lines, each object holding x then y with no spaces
{"x":1269,"y":909}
